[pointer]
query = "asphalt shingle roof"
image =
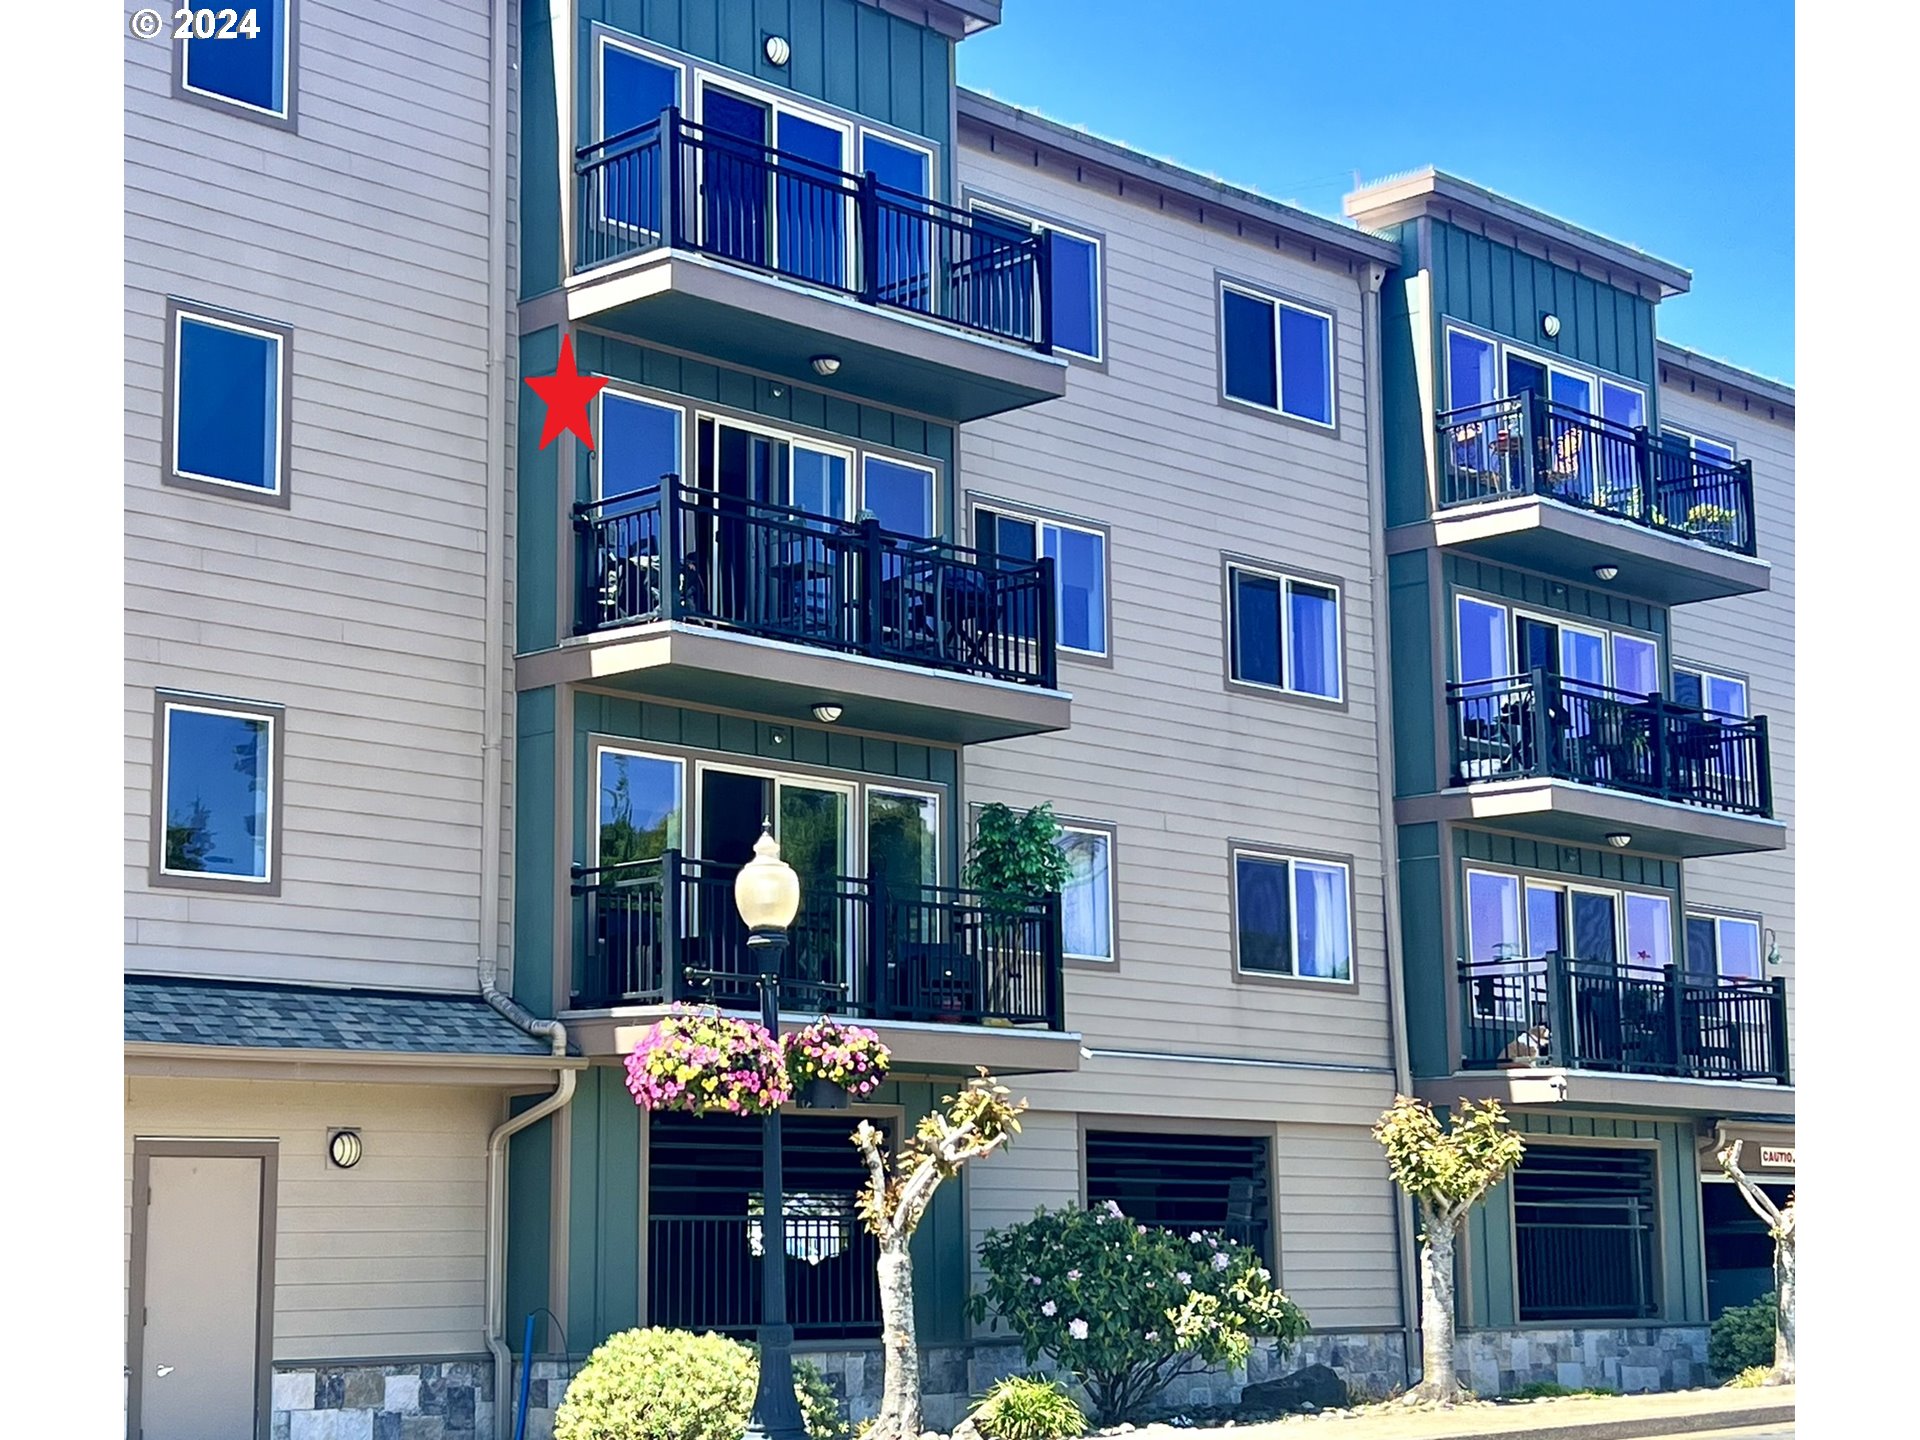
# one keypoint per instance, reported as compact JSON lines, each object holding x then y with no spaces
{"x":171,"y":1011}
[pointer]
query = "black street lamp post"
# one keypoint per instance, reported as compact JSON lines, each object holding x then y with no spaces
{"x":767,"y":894}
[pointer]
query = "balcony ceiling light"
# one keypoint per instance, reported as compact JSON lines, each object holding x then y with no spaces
{"x":1605,"y":572}
{"x":826,"y":712}
{"x":1619,"y":840}
{"x":825,"y":364}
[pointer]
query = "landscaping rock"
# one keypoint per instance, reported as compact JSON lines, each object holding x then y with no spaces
{"x":1317,"y":1387}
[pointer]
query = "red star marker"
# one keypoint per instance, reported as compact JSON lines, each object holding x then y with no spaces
{"x":566,"y":392}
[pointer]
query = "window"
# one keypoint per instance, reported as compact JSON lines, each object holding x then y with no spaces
{"x":1585,"y":1233}
{"x":246,"y":66}
{"x":1074,"y":268}
{"x":1722,"y":696}
{"x":1700,"y":447}
{"x":1276,"y":354}
{"x":1478,"y":364}
{"x":641,"y":805}
{"x":1649,"y":931}
{"x":1079,"y":556}
{"x":1186,"y":1182}
{"x":216,"y":814}
{"x":903,"y":837}
{"x":899,"y":495}
{"x":1727,"y":946}
{"x":1595,"y":659}
{"x":1284,"y":632}
{"x":1086,"y":901}
{"x":639,"y":444}
{"x":226,"y":398}
{"x":1291,"y":917}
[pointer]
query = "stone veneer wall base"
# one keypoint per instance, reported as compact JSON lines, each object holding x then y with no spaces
{"x":1660,"y":1357}
{"x":419,"y":1400}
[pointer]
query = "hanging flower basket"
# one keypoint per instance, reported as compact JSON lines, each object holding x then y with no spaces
{"x":706,"y":1063}
{"x":830,"y":1063}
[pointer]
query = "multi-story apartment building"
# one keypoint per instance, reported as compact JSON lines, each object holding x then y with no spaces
{"x":947,"y":456}
{"x":1589,"y":542}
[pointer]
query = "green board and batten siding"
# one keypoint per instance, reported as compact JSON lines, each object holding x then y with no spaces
{"x":846,"y":54}
{"x":1496,"y":287}
{"x":539,"y":624}
{"x":1487,"y":1292}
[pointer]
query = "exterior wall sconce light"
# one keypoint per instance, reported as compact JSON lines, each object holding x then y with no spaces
{"x":826,"y":712}
{"x":1619,"y":840}
{"x":1773,"y":949}
{"x":825,"y":364}
{"x":1605,"y":572}
{"x":778,"y":50}
{"x":344,"y":1149}
{"x":1550,"y":325}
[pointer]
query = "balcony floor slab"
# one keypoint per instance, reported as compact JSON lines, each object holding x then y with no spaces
{"x":1533,"y":1087}
{"x":1587,"y":814}
{"x":679,"y":661}
{"x":918,"y":1048}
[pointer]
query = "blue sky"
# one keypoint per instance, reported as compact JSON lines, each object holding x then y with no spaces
{"x":1668,"y":126}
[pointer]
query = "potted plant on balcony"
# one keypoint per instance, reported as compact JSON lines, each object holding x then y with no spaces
{"x":830,"y":1063}
{"x":1015,"y":860}
{"x":1714,"y":523}
{"x":703,"y":1062}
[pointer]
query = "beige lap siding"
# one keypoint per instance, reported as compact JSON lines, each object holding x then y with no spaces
{"x":385,"y":1259}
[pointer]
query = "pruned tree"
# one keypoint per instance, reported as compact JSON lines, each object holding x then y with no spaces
{"x":1446,"y":1173}
{"x":1779,"y":1222}
{"x":976,"y":1122}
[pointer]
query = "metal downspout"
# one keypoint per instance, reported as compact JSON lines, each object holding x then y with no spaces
{"x":556,"y":1034}
{"x":1383,"y":740}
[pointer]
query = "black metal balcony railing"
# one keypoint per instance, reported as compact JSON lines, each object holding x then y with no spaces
{"x":1597,"y":1015}
{"x":858,"y":946}
{"x":703,"y":1273}
{"x":677,"y":183}
{"x":1529,"y":445}
{"x":788,"y":575}
{"x":1542,"y":725}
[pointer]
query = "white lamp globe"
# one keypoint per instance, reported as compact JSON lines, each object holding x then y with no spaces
{"x":766,"y":891}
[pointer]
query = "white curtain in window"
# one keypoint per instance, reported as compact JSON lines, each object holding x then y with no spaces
{"x":1314,"y":616}
{"x":1086,"y":901}
{"x":1320,"y":921}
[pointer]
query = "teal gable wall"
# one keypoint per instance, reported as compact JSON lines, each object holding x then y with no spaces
{"x":845,"y":54}
{"x":529,"y":1226}
{"x":1486,"y":1288}
{"x":1416,"y":673}
{"x":1499,"y":288}
{"x":1428,"y":970}
{"x":1552,"y":597}
{"x":533,"y":850}
{"x":536,"y":517}
{"x":1402,"y":333}
{"x":1568,"y":862}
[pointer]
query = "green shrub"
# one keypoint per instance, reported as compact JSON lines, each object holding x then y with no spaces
{"x":1028,"y":1407}
{"x":1548,"y":1390}
{"x":675,"y":1385}
{"x":1743,"y":1337}
{"x":1126,"y":1308}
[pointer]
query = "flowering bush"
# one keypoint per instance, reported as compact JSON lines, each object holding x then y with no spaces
{"x":1127,"y":1308}
{"x":704,"y":1062}
{"x":851,"y":1056}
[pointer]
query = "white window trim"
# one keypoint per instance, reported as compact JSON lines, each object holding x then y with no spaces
{"x":1106,"y":834}
{"x":270,"y":741}
{"x":1694,"y":437}
{"x":1287,"y":580}
{"x":1332,"y":422}
{"x":867,"y":457}
{"x":625,"y":392}
{"x":1545,"y":617}
{"x":1754,"y":922}
{"x":1519,"y":893}
{"x":604,"y":748}
{"x":1529,"y":884}
{"x":181,"y":315}
{"x":1251,"y":852}
{"x":1706,"y":673}
{"x":285,"y":112}
{"x":870,"y":789}
{"x":1040,"y":522}
{"x":1502,"y":348}
{"x":1627,"y":897}
{"x":1035,"y":224}
{"x":792,"y":438}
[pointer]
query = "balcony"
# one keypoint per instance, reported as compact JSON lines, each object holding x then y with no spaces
{"x":1558,"y":1012}
{"x":689,"y":594}
{"x":1585,"y":763}
{"x":1529,"y":482}
{"x":693,"y":238}
{"x":953,"y":978}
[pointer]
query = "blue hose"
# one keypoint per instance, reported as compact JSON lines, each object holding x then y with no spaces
{"x":526,"y":1380}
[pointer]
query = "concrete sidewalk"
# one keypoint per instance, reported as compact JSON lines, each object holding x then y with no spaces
{"x":1593,"y":1417}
